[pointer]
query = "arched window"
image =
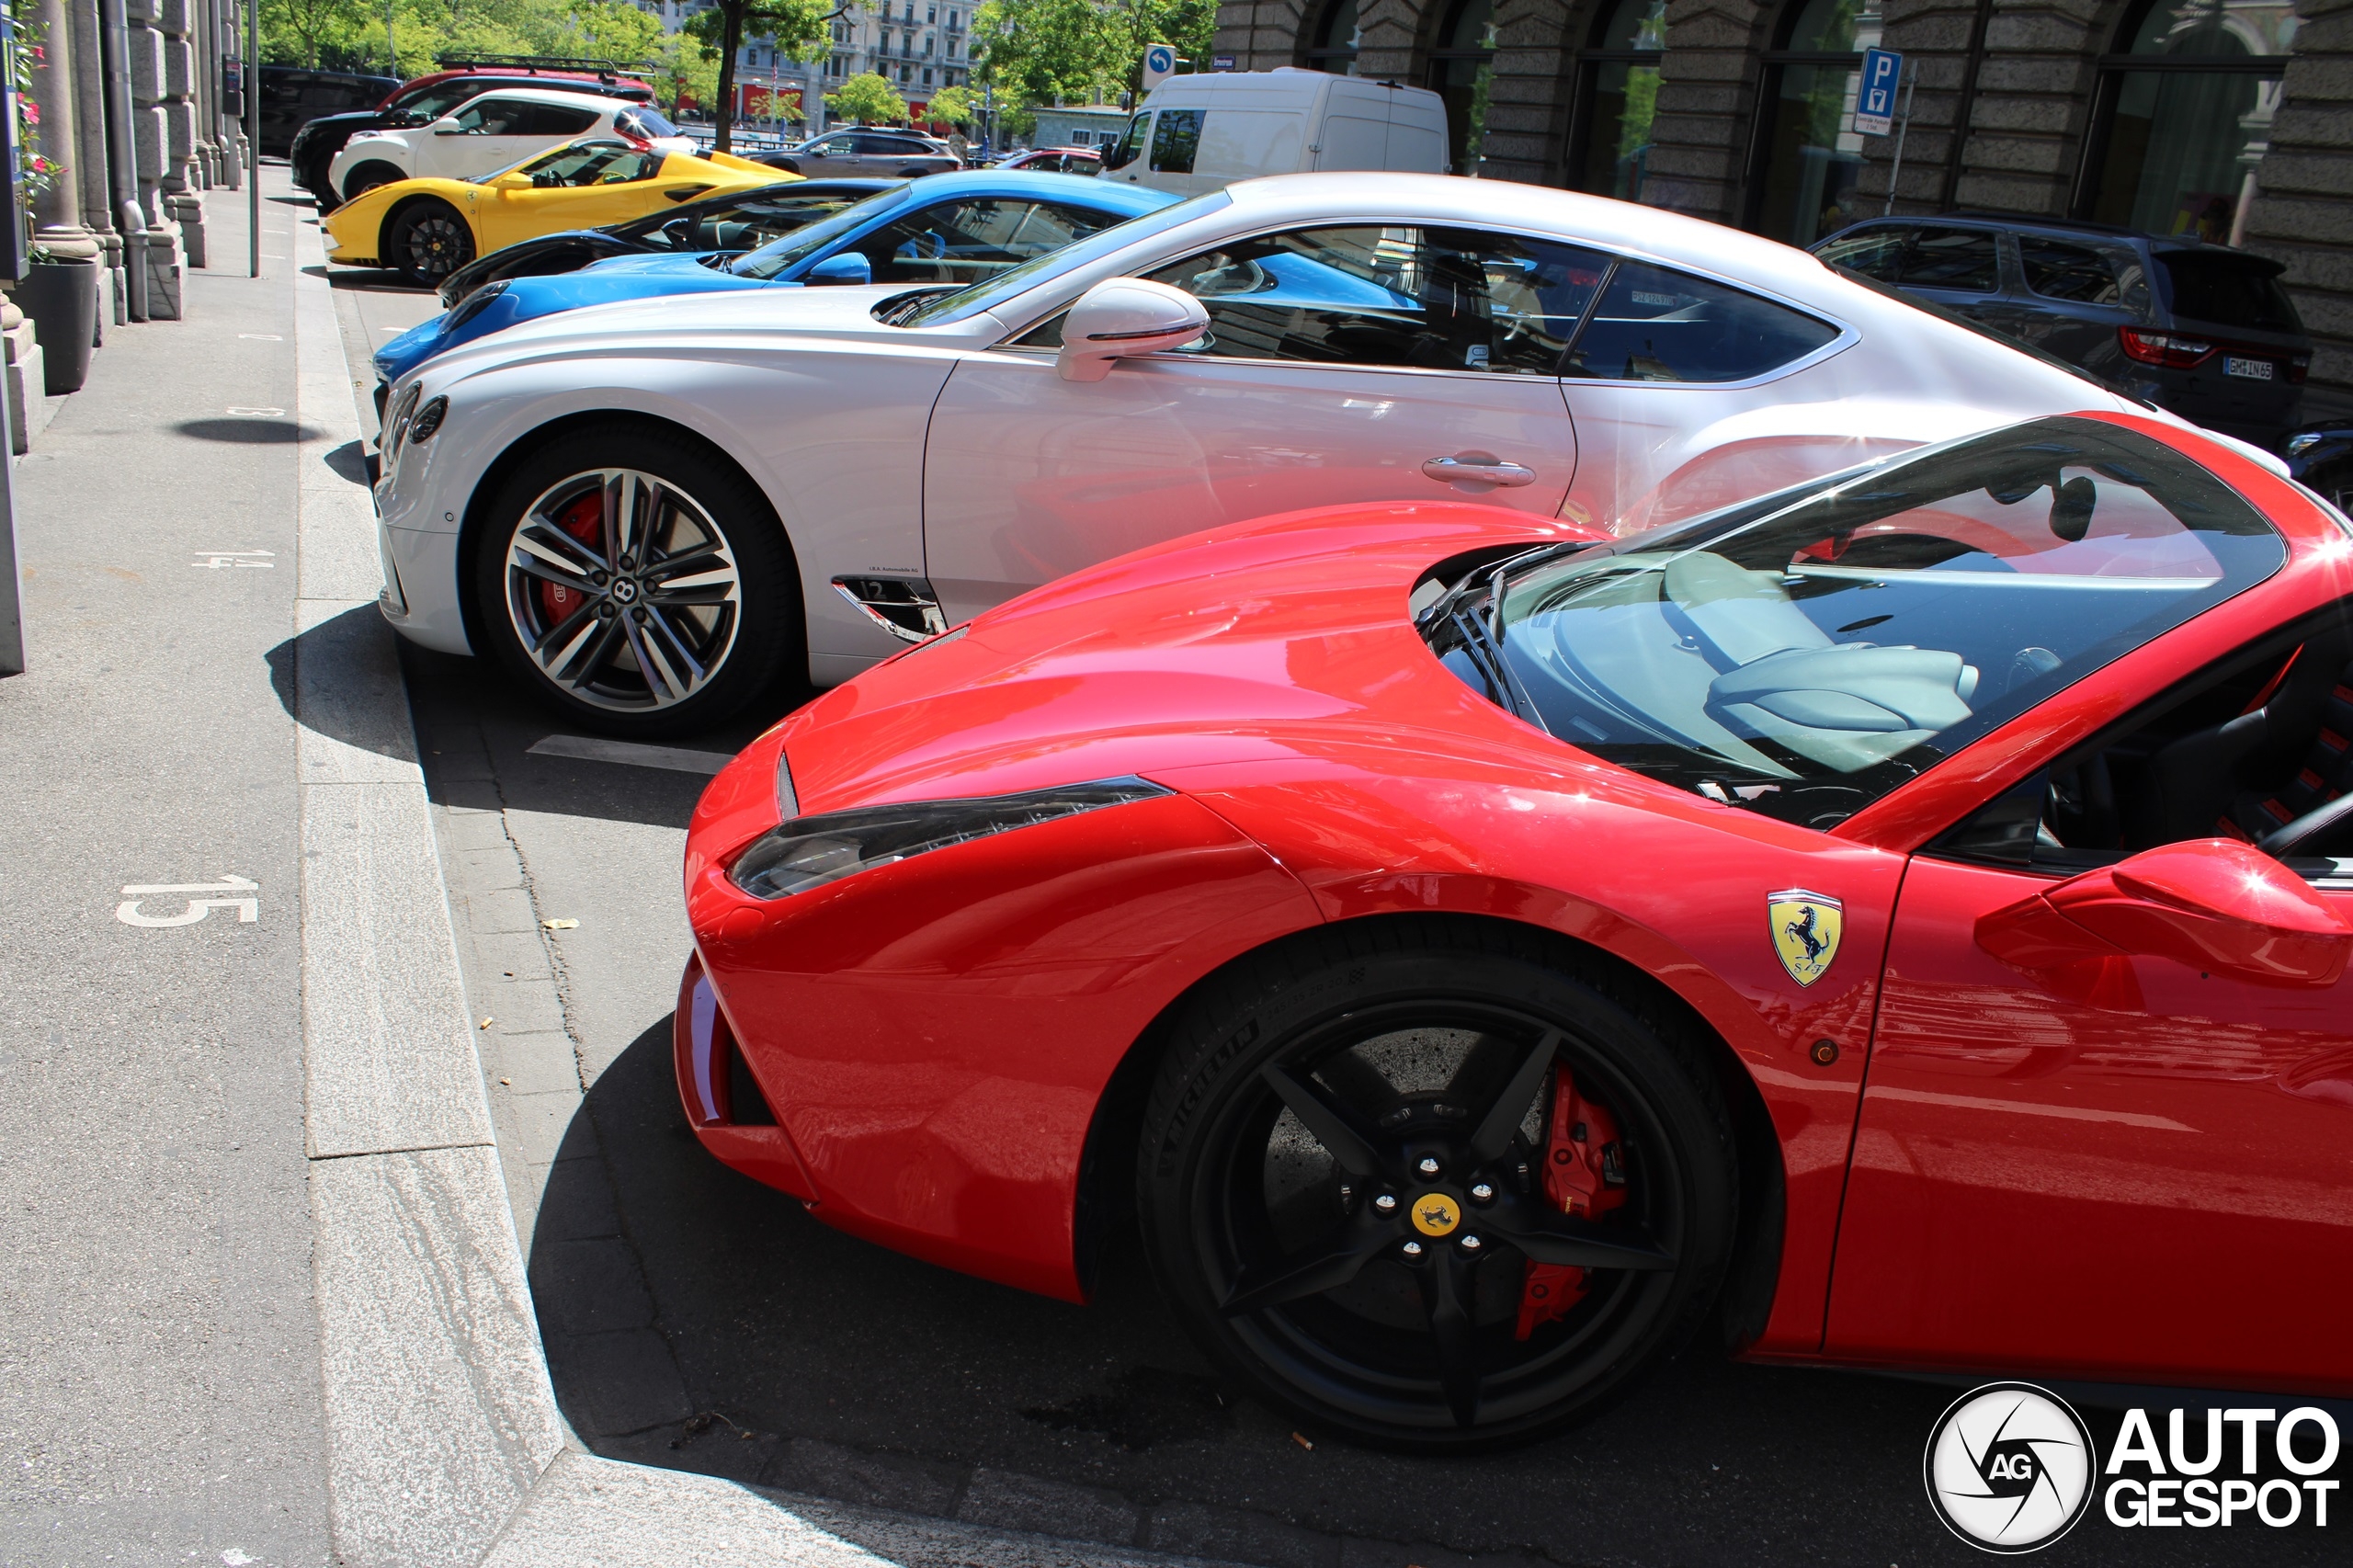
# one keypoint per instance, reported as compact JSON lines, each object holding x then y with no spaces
{"x":1611,"y":148}
{"x":1337,"y":37}
{"x":2184,"y":115}
{"x":1809,"y":154}
{"x":1462,"y":66}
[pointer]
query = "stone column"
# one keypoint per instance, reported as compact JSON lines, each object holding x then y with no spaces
{"x":151,"y":144}
{"x":89,"y":172}
{"x":1707,"y":91}
{"x":28,"y":381}
{"x":2302,"y":213}
{"x":177,"y":20}
{"x":57,"y":211}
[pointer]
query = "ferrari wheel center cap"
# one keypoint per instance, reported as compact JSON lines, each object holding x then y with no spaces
{"x":1436,"y":1214}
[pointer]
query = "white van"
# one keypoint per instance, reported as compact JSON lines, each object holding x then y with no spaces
{"x":1197,"y":133}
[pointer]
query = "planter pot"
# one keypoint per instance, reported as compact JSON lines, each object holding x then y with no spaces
{"x":62,"y":297}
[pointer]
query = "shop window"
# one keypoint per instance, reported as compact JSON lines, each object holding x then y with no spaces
{"x":1337,"y":37}
{"x":1809,"y":154}
{"x":1461,"y":70}
{"x":2184,"y":113}
{"x":1618,"y":100}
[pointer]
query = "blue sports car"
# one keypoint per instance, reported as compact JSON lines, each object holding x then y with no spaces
{"x":951,"y":229}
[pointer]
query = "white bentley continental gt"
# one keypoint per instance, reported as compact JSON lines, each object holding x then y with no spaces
{"x":650,"y":510}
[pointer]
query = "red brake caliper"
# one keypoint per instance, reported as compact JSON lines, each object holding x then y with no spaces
{"x":1585,"y":1174}
{"x":583,"y":520}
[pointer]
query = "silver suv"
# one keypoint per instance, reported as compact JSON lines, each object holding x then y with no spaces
{"x":863,"y":150}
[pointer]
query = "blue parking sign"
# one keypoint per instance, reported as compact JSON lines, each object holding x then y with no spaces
{"x":1875,"y":109}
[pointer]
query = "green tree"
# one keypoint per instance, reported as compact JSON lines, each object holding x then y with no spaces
{"x":683,"y":73}
{"x":1037,"y":50}
{"x":315,"y":32}
{"x":953,"y":106}
{"x":799,"y":29}
{"x":868,"y":99}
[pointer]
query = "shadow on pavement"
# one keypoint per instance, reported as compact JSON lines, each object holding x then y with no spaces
{"x":246,"y":431}
{"x":696,"y":1320}
{"x":477,"y":725}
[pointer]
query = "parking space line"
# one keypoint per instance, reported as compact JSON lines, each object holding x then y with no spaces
{"x":631,"y":753}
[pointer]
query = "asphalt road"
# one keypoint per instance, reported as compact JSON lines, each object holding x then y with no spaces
{"x":698,"y":1320}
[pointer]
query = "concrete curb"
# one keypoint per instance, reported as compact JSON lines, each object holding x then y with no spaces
{"x":445,"y":1444}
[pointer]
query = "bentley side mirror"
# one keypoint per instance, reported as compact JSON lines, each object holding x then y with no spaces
{"x":850,"y":266}
{"x":1121,"y":317}
{"x":2220,"y":906}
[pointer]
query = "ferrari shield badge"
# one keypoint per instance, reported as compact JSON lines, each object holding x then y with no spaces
{"x":1805,"y":928}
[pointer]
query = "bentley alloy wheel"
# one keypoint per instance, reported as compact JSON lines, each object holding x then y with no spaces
{"x":622,"y":590}
{"x":1452,"y":1201}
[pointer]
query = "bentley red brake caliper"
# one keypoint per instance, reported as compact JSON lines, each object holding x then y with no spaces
{"x":1583,"y":1174}
{"x":583,"y":520}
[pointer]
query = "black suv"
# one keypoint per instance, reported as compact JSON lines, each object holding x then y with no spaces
{"x":2203,"y":330}
{"x":428,"y":98}
{"x":291,"y":98}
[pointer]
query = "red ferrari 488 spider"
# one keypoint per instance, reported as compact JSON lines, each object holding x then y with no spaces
{"x":1895,"y":922}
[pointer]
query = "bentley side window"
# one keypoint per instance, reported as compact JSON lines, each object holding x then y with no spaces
{"x":1655,"y":324}
{"x":1430,"y":298}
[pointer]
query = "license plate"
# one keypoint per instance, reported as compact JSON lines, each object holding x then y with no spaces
{"x":2252,"y":370}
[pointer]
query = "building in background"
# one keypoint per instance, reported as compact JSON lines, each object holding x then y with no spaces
{"x":1094,"y":126}
{"x":918,"y":46}
{"x":2229,"y":119}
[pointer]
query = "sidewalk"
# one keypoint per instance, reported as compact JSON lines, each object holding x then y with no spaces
{"x":264,"y":1302}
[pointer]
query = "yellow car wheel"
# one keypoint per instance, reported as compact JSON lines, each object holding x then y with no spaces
{"x":427,"y":240}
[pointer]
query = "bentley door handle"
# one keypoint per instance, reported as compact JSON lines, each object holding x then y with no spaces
{"x":1481,"y":469}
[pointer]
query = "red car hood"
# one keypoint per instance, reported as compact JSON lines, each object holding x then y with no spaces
{"x":1233,"y":645}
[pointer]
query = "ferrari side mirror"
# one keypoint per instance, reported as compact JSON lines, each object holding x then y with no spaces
{"x":1123,"y":317}
{"x":2219,"y":906}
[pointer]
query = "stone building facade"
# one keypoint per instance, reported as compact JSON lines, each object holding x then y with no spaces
{"x":2233,"y":119}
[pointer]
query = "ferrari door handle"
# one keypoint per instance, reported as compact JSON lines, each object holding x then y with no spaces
{"x":1480,"y":469}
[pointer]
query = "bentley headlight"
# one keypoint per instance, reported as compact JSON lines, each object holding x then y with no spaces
{"x":809,"y":852}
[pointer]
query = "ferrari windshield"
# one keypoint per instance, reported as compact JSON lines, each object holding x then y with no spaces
{"x":980,"y":296}
{"x":1804,"y":662}
{"x":771,"y":259}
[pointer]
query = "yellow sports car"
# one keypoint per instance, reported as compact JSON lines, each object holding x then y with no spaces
{"x":429,"y":228}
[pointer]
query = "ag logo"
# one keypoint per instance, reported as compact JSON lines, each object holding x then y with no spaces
{"x":1805,"y":928}
{"x":2009,"y":1468}
{"x":1436,"y":1214}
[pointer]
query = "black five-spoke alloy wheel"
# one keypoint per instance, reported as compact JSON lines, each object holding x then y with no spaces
{"x":427,"y":242}
{"x":636,"y":582}
{"x":1420,"y":1185}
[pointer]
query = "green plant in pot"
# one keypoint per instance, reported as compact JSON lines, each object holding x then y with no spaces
{"x":60,"y":289}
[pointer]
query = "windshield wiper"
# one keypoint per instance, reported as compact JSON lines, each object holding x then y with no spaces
{"x":895,"y":309}
{"x":1485,"y":651}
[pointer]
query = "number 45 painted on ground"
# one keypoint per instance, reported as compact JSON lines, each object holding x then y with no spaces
{"x":248,"y":908}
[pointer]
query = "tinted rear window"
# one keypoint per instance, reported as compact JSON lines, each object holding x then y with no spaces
{"x":2229,"y":290}
{"x":2057,"y":271}
{"x":1658,"y":325}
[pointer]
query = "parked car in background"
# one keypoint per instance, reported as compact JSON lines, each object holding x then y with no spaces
{"x":949,"y":230}
{"x":865,"y":150}
{"x":2202,"y":330}
{"x":1195,"y":134}
{"x":493,"y":132}
{"x":727,"y":223}
{"x":428,"y":98}
{"x":292,"y":97}
{"x":807,"y":476}
{"x":426,"y":229}
{"x":1056,"y":161}
{"x":2321,"y":456}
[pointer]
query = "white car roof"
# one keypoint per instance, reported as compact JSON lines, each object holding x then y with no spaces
{"x":1614,"y":225}
{"x":549,"y":95}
